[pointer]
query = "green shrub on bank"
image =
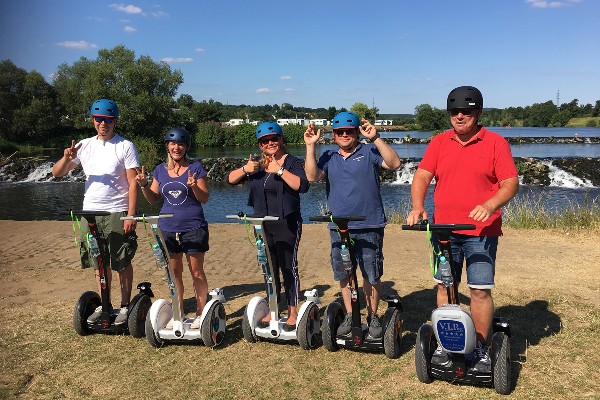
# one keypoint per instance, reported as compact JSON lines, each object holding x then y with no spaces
{"x":209,"y":134}
{"x":242,"y":135}
{"x":151,"y":154}
{"x":293,"y":133}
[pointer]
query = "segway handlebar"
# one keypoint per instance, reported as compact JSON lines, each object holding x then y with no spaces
{"x":334,"y":218}
{"x":438,"y":228}
{"x":147,"y":217}
{"x":84,"y":213}
{"x":251,"y":217}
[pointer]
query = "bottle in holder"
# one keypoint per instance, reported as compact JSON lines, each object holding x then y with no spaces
{"x":346,"y":262}
{"x":262,"y":252}
{"x":159,"y":256}
{"x":93,"y":245}
{"x":445,"y":272}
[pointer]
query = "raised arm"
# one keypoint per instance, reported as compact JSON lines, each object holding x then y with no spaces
{"x":237,"y":175}
{"x":391,"y":161}
{"x":65,"y":164}
{"x":313,"y":172}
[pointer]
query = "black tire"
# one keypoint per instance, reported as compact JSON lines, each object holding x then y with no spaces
{"x":246,"y":329}
{"x":136,"y":323}
{"x":80,"y":321}
{"x":213,"y":326}
{"x":502,"y":370}
{"x":392,"y":337}
{"x":423,"y":355}
{"x":309,"y":328}
{"x":330,"y":332}
{"x":151,"y":335}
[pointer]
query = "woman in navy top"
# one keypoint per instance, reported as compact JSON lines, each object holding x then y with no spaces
{"x":182,"y":185}
{"x":276,"y":182}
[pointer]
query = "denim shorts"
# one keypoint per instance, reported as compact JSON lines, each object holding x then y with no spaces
{"x":191,"y":242}
{"x":368,"y":250}
{"x":480,"y":255}
{"x":118,"y":248}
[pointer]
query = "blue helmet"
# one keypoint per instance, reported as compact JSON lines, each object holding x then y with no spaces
{"x":179,"y":135}
{"x":105,"y":108}
{"x":268,"y":128}
{"x":346,"y":120}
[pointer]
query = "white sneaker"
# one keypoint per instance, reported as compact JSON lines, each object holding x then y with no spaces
{"x":95,"y":315}
{"x":169,"y":324}
{"x":195,"y":323}
{"x":122,"y":316}
{"x":440,"y":356}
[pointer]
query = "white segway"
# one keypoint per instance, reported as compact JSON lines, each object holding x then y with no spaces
{"x":453,"y":328}
{"x":212,"y":321}
{"x":308,"y":327}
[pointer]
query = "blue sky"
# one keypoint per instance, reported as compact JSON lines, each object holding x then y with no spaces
{"x":395,"y":53}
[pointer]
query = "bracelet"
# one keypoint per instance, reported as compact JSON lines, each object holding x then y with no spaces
{"x":144,"y":185}
{"x":374,"y":138}
{"x":244,"y":169}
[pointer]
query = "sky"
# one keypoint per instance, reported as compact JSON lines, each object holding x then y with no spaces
{"x":393,"y":54}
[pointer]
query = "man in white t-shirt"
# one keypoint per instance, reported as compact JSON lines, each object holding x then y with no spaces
{"x":110,"y":164}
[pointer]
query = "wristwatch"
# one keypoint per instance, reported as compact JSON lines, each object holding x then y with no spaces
{"x":280,"y":172}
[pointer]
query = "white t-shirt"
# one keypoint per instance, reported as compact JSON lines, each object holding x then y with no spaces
{"x":105,"y":163}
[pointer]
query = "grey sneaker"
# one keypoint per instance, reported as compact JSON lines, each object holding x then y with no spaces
{"x":346,"y":326}
{"x":481,"y":360}
{"x":440,"y":356}
{"x":95,"y":316}
{"x":122,"y":316}
{"x":374,"y":326}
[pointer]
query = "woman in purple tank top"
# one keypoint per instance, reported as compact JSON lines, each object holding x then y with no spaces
{"x":182,"y":186}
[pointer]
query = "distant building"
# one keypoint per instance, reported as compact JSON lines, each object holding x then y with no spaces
{"x":283,"y":122}
{"x":234,"y":122}
{"x":319,"y":122}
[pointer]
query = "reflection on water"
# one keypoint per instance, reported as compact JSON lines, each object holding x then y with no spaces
{"x":43,"y":201}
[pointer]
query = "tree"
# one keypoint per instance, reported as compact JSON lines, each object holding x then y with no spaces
{"x":431,"y":119}
{"x":541,"y":114}
{"x":185,"y":100}
{"x":12,"y":83}
{"x":142,"y":88}
{"x":204,"y":111}
{"x":360,"y":109}
{"x":596,"y":111}
{"x":331,"y":113}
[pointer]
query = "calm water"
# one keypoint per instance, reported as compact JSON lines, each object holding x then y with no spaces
{"x":43,"y":200}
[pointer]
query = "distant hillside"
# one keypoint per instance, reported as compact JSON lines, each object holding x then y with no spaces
{"x":395,"y":116}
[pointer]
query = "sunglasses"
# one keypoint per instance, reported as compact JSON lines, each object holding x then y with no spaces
{"x":347,"y":132}
{"x":268,"y":140}
{"x":108,"y":120}
{"x":465,"y":112}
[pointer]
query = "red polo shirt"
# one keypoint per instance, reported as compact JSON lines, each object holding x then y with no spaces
{"x":467,"y":176}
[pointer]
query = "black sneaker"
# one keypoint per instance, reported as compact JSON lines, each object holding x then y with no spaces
{"x":346,"y":326}
{"x":374,"y":326}
{"x":440,"y":356}
{"x":481,"y":360}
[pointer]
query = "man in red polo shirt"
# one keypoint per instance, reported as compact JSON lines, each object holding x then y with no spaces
{"x":475,"y":176}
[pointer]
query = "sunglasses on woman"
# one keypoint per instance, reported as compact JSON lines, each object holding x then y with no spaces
{"x":268,"y":140}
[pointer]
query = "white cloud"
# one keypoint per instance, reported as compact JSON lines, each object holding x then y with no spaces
{"x":81,"y":45}
{"x":286,"y":77}
{"x":290,"y":90}
{"x":124,"y":20}
{"x":129,"y":29}
{"x":130,"y":9}
{"x":265,"y":90}
{"x":550,"y":4}
{"x":52,"y":76}
{"x":161,"y":14}
{"x":170,"y":60}
{"x":199,"y":49}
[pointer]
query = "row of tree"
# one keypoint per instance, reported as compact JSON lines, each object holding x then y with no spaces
{"x":33,"y":111}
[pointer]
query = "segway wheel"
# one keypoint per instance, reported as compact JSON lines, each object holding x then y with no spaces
{"x":392,"y":337}
{"x":423,"y":352}
{"x":309,"y":328}
{"x":154,"y":340}
{"x":213,"y":326}
{"x":247,"y":329}
{"x":501,"y":371}
{"x":330,"y":328}
{"x":80,"y":318}
{"x":137,"y":317}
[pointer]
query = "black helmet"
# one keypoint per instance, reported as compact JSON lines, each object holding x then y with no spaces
{"x":179,"y":135}
{"x":464,"y":97}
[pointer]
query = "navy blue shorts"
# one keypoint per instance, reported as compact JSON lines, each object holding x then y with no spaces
{"x":191,"y":242}
{"x":368,"y":250}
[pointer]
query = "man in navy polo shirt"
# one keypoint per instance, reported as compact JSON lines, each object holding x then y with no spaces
{"x":353,"y":189}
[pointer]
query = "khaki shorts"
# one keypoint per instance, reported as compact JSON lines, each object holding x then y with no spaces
{"x":118,"y":248}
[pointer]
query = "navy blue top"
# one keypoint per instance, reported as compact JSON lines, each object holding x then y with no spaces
{"x":178,"y":198}
{"x":288,"y":199}
{"x":353,"y":185}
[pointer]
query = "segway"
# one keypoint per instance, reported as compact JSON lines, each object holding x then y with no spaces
{"x":89,"y":301}
{"x":308,"y":326}
{"x":359,"y":338}
{"x":212,"y":320}
{"x":453,"y":328}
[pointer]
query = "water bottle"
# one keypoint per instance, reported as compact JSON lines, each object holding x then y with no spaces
{"x":445,"y":272}
{"x":160,"y":257}
{"x":93,"y":244}
{"x":262,"y":252}
{"x":346,"y":262}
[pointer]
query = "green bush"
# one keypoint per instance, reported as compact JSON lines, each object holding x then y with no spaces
{"x":151,"y":153}
{"x":591,"y":123}
{"x":209,"y":134}
{"x":294,"y":134}
{"x":242,"y":135}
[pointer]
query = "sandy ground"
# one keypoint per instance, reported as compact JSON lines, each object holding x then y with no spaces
{"x":40,"y":264}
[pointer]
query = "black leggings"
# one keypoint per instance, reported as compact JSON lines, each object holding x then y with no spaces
{"x":283,"y":238}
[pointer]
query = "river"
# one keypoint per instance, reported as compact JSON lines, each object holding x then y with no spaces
{"x":35,"y":200}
